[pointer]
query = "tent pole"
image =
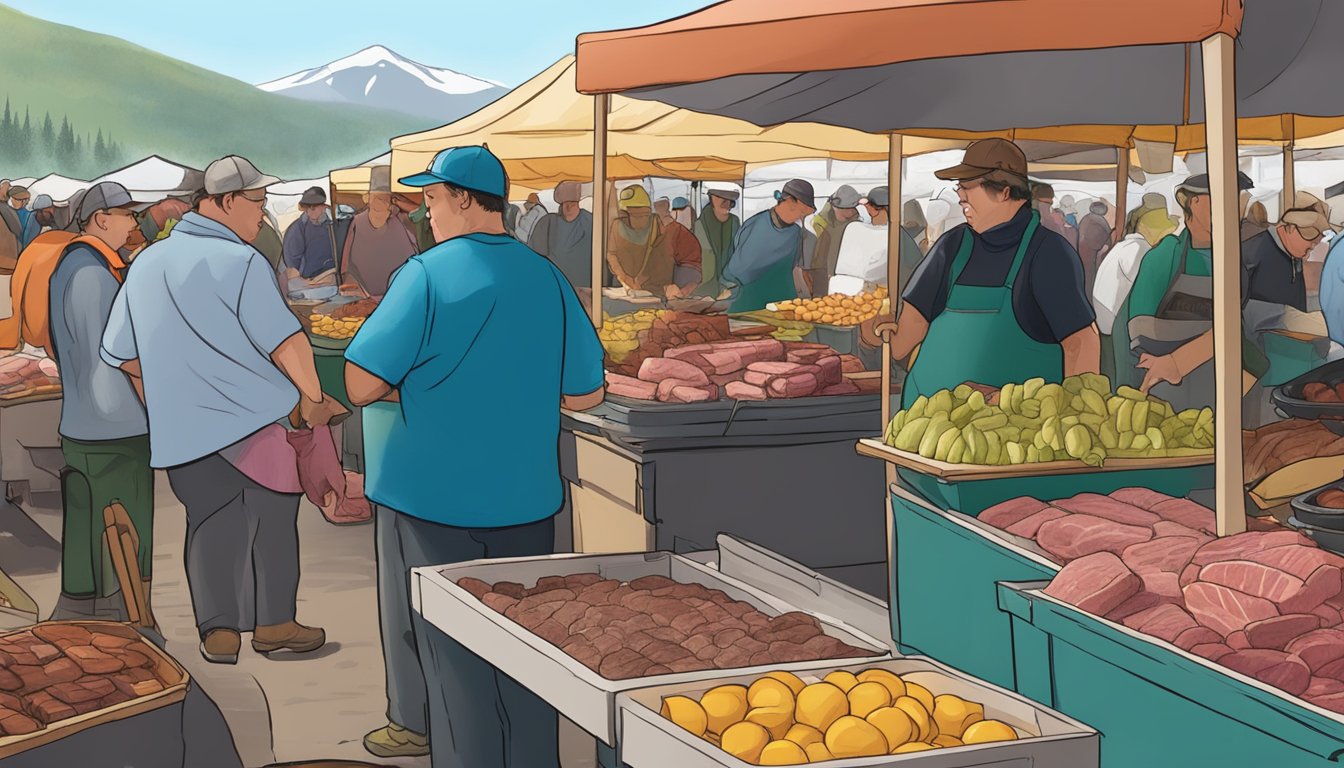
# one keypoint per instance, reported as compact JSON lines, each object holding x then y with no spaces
{"x":601,"y":106}
{"x":1121,"y":192}
{"x":894,"y":287}
{"x":1220,"y":107}
{"x":1289,"y":180}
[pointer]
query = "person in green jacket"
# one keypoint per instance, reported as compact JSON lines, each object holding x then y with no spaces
{"x":716,"y":229}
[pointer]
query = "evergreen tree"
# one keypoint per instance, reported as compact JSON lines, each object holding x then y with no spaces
{"x":6,"y":133}
{"x":65,"y":141}
{"x":23,"y":147}
{"x":100,"y":157}
{"x":48,"y":140}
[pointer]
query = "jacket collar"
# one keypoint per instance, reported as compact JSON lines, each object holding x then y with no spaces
{"x":200,"y":226}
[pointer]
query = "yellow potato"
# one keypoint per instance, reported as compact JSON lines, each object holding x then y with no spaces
{"x":919,"y":693}
{"x":804,"y":735}
{"x":724,"y":706}
{"x":686,"y":713}
{"x":864,"y":698}
{"x":842,"y":680}
{"x":947,"y":741}
{"x":954,"y":714}
{"x":914,"y":746}
{"x":818,"y":753}
{"x":919,"y":715}
{"x":821,"y":704}
{"x":745,"y":741}
{"x":782,"y":753}
{"x":776,"y":720}
{"x":794,"y":682}
{"x":896,"y":726}
{"x":854,"y":737}
{"x":770,"y":692}
{"x":986,"y":731}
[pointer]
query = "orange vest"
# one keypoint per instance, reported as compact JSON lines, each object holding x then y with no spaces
{"x":30,"y":287}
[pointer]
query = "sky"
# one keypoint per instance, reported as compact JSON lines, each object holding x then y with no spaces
{"x":260,"y":40}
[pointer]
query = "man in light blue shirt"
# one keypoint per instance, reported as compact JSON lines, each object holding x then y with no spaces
{"x":201,"y":321}
{"x":463,"y":369}
{"x":1332,"y":297}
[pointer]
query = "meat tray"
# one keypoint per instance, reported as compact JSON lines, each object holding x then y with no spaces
{"x":650,"y":741}
{"x":1288,"y":398}
{"x":577,"y":692}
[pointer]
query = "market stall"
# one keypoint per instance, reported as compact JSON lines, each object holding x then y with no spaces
{"x":1066,"y":496}
{"x":30,"y":414}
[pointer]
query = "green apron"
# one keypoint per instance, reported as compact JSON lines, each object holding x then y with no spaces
{"x":775,"y":285}
{"x":977,"y":337}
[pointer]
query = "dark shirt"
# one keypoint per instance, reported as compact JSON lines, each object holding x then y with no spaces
{"x":1049,"y":299}
{"x":1271,"y":274}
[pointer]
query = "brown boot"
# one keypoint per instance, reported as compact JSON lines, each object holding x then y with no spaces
{"x":292,"y":636}
{"x":220,"y":646}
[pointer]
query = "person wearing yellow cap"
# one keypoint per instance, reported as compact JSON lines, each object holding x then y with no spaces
{"x":638,"y":250}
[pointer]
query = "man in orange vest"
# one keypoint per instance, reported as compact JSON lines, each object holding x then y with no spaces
{"x":104,"y":430}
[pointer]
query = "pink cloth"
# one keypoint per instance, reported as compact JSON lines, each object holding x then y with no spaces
{"x":267,"y":458}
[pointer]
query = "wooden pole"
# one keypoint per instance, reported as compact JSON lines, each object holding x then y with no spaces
{"x":1220,"y":109}
{"x":601,"y":107}
{"x":894,"y":287}
{"x":1289,"y":180}
{"x":1121,"y":192}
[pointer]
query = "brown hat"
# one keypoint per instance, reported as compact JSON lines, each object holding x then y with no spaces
{"x":1309,"y":215}
{"x":986,"y":156}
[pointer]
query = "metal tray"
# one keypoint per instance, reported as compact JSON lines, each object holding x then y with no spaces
{"x":577,"y":692}
{"x":1308,"y":512}
{"x":1288,"y":397}
{"x":647,"y":740}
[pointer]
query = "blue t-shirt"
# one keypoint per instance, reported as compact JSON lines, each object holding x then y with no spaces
{"x":481,"y":336}
{"x":1332,"y":291}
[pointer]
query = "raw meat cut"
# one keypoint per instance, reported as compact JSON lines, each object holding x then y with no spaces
{"x":1168,"y":529}
{"x":1187,"y":513}
{"x":1225,"y":610}
{"x":1324,"y":583}
{"x":723,"y":361}
{"x":800,"y":385}
{"x":1109,"y":509}
{"x":1240,"y":546}
{"x":1142,"y":498}
{"x":1011,"y":512}
{"x":1318,"y":647}
{"x":1028,"y":527}
{"x":831,"y":372}
{"x":1253,"y":579}
{"x":657,"y":369}
{"x":1300,"y":561}
{"x":845,"y":387}
{"x":1274,"y":634}
{"x":1212,"y":651}
{"x":1196,"y":636}
{"x":1165,"y":621}
{"x":628,"y":386}
{"x":689,"y":395}
{"x":1078,"y":535}
{"x":1168,"y":554}
{"x":1096,"y":583}
{"x":1281,"y":670}
{"x":740,"y":390}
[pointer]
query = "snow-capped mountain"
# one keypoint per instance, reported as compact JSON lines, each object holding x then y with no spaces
{"x":378,"y":77}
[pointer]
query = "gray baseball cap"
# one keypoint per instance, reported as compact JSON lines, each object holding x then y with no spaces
{"x":878,"y":196}
{"x":102,"y":196}
{"x":726,"y":194}
{"x":844,"y":197}
{"x":42,"y":202}
{"x":235,"y":174}
{"x":800,"y":190}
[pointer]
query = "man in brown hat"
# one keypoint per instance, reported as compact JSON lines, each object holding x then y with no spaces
{"x":566,"y":236}
{"x":379,"y":241}
{"x":1000,"y":299}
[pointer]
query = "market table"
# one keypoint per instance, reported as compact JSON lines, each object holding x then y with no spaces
{"x":651,"y":476}
{"x":30,"y":444}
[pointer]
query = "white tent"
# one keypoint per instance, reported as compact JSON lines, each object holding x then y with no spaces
{"x":59,"y":188}
{"x":154,"y":178}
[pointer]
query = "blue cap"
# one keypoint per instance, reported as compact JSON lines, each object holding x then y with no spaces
{"x":474,"y":168}
{"x":679,"y":202}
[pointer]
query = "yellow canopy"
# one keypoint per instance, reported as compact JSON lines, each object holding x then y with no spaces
{"x":543,"y":131}
{"x":355,"y":179}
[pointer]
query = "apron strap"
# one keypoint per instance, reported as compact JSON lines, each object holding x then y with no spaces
{"x":1021,"y":256}
{"x":963,"y":257}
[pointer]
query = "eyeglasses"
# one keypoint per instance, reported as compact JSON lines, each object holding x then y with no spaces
{"x":246,"y":196}
{"x":969,"y":184}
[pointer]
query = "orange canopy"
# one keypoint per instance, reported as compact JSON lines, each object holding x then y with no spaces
{"x":802,"y":36}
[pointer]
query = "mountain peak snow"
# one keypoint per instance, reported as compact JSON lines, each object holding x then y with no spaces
{"x":379,"y":57}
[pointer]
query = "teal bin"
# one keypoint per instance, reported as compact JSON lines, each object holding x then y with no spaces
{"x":972,"y":497}
{"x":1292,"y":354}
{"x":1156,"y":705}
{"x":944,"y":602}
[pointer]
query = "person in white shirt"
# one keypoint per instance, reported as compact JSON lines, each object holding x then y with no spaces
{"x":1118,"y":270}
{"x":862,"y":262}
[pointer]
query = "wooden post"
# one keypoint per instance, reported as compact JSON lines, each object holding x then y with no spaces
{"x":1121,"y":192}
{"x":1289,"y":180}
{"x":601,"y":106}
{"x":894,"y":287}
{"x":1220,"y":109}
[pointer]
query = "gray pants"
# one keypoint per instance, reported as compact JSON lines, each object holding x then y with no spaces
{"x":474,"y":716}
{"x":242,"y":547}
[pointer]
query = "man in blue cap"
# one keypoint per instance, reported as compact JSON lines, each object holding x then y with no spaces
{"x":448,"y":395}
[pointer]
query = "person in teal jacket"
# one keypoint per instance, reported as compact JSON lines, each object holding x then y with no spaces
{"x":769,"y":248}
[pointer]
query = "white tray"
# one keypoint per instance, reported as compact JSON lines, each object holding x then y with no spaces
{"x":575,"y":691}
{"x":647,"y":740}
